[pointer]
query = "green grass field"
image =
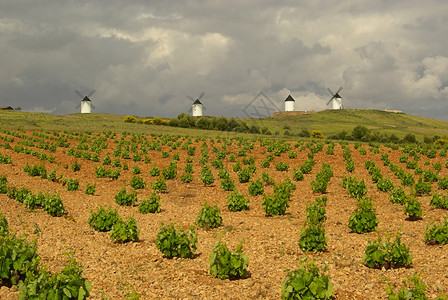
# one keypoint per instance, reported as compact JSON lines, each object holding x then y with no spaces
{"x":329,"y":122}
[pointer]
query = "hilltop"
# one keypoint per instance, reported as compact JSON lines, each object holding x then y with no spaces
{"x":329,"y":122}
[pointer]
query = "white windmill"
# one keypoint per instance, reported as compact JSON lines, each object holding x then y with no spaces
{"x":85,"y":104}
{"x":289,"y":103}
{"x":335,"y":100}
{"x":196,"y":107}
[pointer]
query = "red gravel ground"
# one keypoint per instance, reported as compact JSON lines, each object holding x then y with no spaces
{"x":271,"y":243}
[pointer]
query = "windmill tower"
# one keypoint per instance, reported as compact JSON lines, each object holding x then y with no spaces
{"x":335,"y":100}
{"x":196,"y":107}
{"x":85,"y":104}
{"x":289,"y":103}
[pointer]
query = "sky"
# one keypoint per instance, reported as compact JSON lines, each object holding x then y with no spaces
{"x":148,"y":58}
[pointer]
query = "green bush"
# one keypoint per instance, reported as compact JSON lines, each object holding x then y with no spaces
{"x":412,"y":208}
{"x":4,"y":229}
{"x":244,"y":175}
{"x":307,"y":283}
{"x":53,"y":205}
{"x":137,"y":182}
{"x":267,"y":179}
{"x":256,"y":188}
{"x":228,"y":265}
{"x":312,"y":238}
{"x":275,"y":205}
{"x":186,"y":178}
{"x":75,"y":166}
{"x":356,"y":189}
{"x":90,"y":189}
{"x":237,"y":202}
{"x":150,"y":205}
{"x":386,"y":254}
{"x":124,"y":231}
{"x":227,"y":184}
{"x":437,"y":233}
{"x":385,"y":185}
{"x":102,"y":219}
{"x":209,"y":217}
{"x":364,"y":218}
{"x":398,"y":196}
{"x":18,"y":258}
{"x":297,"y":175}
{"x":159,"y":185}
{"x":422,"y":188}
{"x":281,"y":166}
{"x":72,"y":185}
{"x":176,"y":243}
{"x":439,"y":201}
{"x":207,"y":176}
{"x":414,"y":289}
{"x":154,"y":171}
{"x":68,"y":284}
{"x":123,"y":198}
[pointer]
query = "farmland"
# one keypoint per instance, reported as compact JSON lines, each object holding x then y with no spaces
{"x":67,"y":163}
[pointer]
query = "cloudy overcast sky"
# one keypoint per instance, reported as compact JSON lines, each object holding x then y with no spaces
{"x":145,"y":57}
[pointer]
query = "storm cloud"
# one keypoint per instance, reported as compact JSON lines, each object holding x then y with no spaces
{"x":145,"y":57}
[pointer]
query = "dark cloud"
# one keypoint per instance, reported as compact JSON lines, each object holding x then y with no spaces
{"x":144,"y":58}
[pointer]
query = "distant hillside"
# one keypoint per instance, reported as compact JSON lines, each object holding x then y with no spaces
{"x":329,"y":122}
{"x":332,"y":122}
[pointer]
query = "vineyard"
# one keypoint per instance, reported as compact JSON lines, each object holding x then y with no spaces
{"x":125,"y":215}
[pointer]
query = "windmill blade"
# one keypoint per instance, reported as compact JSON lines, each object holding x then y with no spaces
{"x":191,"y":98}
{"x":93,"y":106}
{"x":340,"y":89}
{"x":200,"y":96}
{"x":91,"y":93}
{"x":328,"y":103}
{"x":79,"y":94}
{"x":330,"y":92}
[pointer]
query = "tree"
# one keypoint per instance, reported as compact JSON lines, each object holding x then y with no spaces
{"x":359,"y":132}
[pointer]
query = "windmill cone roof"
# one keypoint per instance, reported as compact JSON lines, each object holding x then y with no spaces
{"x":289,"y":98}
{"x":86,"y":99}
{"x":197,"y":102}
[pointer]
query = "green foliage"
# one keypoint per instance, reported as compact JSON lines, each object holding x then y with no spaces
{"x":123,"y":198}
{"x":315,"y":213}
{"x":413,"y":289}
{"x":307,"y":283}
{"x":154,"y":171}
{"x":36,"y":170}
{"x":237,"y":202}
{"x":137,"y":182}
{"x":4,"y":229}
{"x":267,"y":179}
{"x":209,"y":217}
{"x":18,"y":258}
{"x":176,"y":243}
{"x":90,"y":189}
{"x":102,"y":219}
{"x":244,"y":175}
{"x":75,"y":166}
{"x":207,"y":176}
{"x":437,"y":233}
{"x":124,"y":231}
{"x":186,"y":178}
{"x":281,"y":166}
{"x":275,"y":205}
{"x":412,"y":208}
{"x":68,"y":284}
{"x":398,"y":196}
{"x":439,"y":201}
{"x":312,"y":238}
{"x":385,"y":185}
{"x":72,"y":184}
{"x":356,"y":189}
{"x":150,"y":205}
{"x":5,"y":159}
{"x":364,"y":218}
{"x":159,"y":185}
{"x":53,"y":205}
{"x":228,"y":265}
{"x":297,"y":175}
{"x":386,"y":254}
{"x":443,"y":183}
{"x":170,"y":172}
{"x":422,"y":188}
{"x":256,"y":188}
{"x":350,"y":165}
